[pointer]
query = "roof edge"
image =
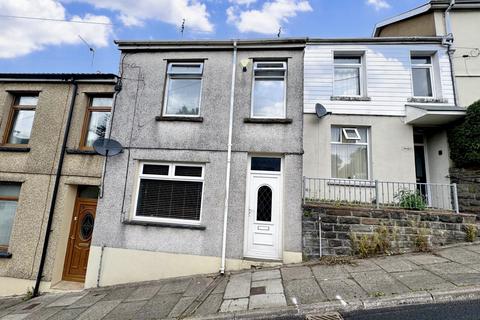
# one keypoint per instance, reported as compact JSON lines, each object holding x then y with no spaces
{"x":58,"y":77}
{"x":388,"y":40}
{"x":403,"y":16}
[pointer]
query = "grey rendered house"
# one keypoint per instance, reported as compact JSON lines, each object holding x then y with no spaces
{"x":42,"y":117}
{"x":193,"y":142}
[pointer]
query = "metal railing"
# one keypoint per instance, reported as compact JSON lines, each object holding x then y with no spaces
{"x":381,"y":194}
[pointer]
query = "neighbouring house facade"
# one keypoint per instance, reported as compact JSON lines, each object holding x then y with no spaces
{"x":383,"y":106}
{"x":210,"y":168}
{"x":35,"y":117}
{"x":458,"y":22}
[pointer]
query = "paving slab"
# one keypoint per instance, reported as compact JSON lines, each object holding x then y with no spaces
{"x":379,"y":283}
{"x":303,"y":291}
{"x":144,"y":293}
{"x":296,"y":273}
{"x":474,"y":248}
{"x":159,"y":307}
{"x":18,"y":316}
{"x":67,"y":314}
{"x":234,"y":305}
{"x":362,"y":265}
{"x":459,"y":274}
{"x":88,"y":300}
{"x":125,"y":310}
{"x":175,"y":286}
{"x":211,"y":305}
{"x":66,"y":300}
{"x":181,"y":306}
{"x":322,"y":272}
{"x":44,"y":313}
{"x":118,"y":293}
{"x":421,"y":280}
{"x":344,"y":289}
{"x":271,"y":286}
{"x":266,"y":275}
{"x":395,"y":264}
{"x":267,"y":301}
{"x":99,"y":310}
{"x":238,"y":286}
{"x":197,"y":286}
{"x":460,"y":255}
{"x":425,"y":259}
{"x":221,"y":286}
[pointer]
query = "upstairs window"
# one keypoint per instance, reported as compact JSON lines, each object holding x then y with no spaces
{"x":348,"y":75}
{"x":170,"y":193}
{"x":349,"y":146}
{"x":422,"y":76}
{"x":19,"y":126}
{"x":9,"y":193}
{"x":97,"y":120}
{"x":183,"y":90}
{"x":269,"y":90}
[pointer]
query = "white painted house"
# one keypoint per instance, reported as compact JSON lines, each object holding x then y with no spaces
{"x":386,"y":103}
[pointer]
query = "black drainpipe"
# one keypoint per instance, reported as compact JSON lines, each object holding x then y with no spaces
{"x":55,"y":188}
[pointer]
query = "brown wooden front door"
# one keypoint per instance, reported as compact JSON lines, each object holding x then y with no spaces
{"x":79,"y":240}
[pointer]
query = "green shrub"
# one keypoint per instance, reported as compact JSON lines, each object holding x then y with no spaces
{"x":409,"y":199}
{"x":471,"y":232}
{"x":369,"y":245}
{"x":464,"y":139}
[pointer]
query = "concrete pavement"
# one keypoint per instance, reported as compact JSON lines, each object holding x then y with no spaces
{"x":451,"y":273}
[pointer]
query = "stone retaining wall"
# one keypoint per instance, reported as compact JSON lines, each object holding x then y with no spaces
{"x":468,"y":181}
{"x":338,"y":223}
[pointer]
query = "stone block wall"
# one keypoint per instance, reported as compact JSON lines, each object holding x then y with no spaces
{"x":468,"y":184}
{"x":338,"y":223}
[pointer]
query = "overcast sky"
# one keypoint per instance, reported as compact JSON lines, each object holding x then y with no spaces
{"x":28,"y":45}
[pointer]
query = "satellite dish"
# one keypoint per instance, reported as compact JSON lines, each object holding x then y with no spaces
{"x":321,"y":111}
{"x":107,"y":147}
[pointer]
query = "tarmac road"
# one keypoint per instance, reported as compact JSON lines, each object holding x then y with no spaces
{"x":458,"y":310}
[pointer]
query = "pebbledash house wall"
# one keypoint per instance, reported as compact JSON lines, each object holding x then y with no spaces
{"x":36,"y":171}
{"x":122,"y":252}
{"x":388,"y":87}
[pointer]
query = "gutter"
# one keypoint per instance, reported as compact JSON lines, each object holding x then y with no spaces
{"x":229,"y":159}
{"x":56,"y":187}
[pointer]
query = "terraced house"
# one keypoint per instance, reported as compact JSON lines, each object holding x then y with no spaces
{"x":49,"y":176}
{"x":211,"y":174}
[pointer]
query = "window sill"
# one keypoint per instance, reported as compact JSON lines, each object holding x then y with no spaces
{"x":355,"y":183}
{"x":183,"y":119}
{"x":427,"y":100}
{"x":346,"y":98}
{"x":267,"y":120}
{"x":165,"y":225}
{"x":80,"y":151}
{"x":14,"y":149}
{"x":5,"y":255}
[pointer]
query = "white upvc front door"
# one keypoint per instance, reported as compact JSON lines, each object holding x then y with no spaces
{"x":263,"y":215}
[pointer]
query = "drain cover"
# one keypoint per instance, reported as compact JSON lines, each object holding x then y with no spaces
{"x":325,"y":316}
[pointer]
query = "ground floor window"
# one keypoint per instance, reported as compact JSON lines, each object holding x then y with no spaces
{"x":8,"y":205}
{"x":349,"y":152}
{"x":169,"y":192}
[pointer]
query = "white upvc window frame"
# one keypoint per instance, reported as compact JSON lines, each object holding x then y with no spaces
{"x":423,"y":66}
{"x":183,"y":75}
{"x":356,"y":134}
{"x":360,"y":66}
{"x":170,"y":177}
{"x":342,"y":132}
{"x":282,"y":67}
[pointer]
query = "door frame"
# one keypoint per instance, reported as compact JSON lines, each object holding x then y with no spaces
{"x":427,"y":168}
{"x":67,"y":257}
{"x":247,"y":203}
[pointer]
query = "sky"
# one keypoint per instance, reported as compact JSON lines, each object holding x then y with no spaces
{"x":60,"y":37}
